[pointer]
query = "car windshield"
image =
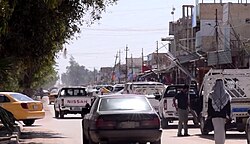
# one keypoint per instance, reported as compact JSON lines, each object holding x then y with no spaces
{"x":116,"y":89}
{"x":123,"y":104}
{"x":21,"y":97}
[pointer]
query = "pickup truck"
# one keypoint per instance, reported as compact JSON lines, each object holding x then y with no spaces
{"x":237,"y":84}
{"x":152,"y":90}
{"x":72,"y":100}
{"x":168,"y":112}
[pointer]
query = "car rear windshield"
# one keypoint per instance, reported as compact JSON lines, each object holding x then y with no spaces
{"x":21,"y":97}
{"x":73,"y":92}
{"x":124,"y":104}
{"x":172,"y":91}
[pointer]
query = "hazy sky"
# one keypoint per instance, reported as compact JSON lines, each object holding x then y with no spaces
{"x":136,"y":23}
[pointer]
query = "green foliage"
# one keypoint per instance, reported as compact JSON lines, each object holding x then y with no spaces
{"x":32,"y":32}
{"x":76,"y":75}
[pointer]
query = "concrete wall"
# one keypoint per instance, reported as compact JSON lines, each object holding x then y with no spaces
{"x":232,"y":24}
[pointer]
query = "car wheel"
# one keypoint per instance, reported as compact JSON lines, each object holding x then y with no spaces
{"x":82,"y":115}
{"x":164,"y":123}
{"x":29,"y":122}
{"x":156,"y":142}
{"x":202,"y":125}
{"x":248,"y":131}
{"x":61,"y":114}
{"x":84,"y":112}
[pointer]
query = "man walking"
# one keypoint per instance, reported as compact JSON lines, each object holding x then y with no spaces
{"x":219,"y":109}
{"x":182,"y":107}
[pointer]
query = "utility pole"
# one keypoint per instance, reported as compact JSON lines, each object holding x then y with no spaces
{"x":132,"y":71}
{"x":157,"y":60}
{"x":113,"y":73}
{"x":142,"y":60}
{"x":126,"y":58}
{"x":94,"y":76}
{"x":216,"y":36}
{"x":119,"y":79}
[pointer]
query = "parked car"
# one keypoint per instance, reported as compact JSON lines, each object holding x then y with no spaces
{"x":168,"y":112}
{"x":127,"y":118}
{"x":22,"y":107}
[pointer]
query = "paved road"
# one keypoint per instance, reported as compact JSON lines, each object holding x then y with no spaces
{"x":68,"y":131}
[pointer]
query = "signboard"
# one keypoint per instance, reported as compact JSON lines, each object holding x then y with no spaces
{"x":220,"y":57}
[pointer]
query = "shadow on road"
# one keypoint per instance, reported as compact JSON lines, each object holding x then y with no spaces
{"x":35,"y":125}
{"x":228,"y":136}
{"x":38,"y":134}
{"x":68,"y":118}
{"x":176,"y":126}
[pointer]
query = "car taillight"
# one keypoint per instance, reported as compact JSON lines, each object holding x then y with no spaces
{"x":24,"y":105}
{"x":105,"y":124}
{"x":62,"y":104}
{"x":155,"y":122}
{"x":165,"y":104}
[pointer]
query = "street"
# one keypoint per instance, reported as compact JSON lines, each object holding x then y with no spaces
{"x":68,"y":131}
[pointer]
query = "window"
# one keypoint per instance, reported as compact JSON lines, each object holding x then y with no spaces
{"x":4,"y":99}
{"x":73,"y":92}
{"x":123,"y":104}
{"x":21,"y":97}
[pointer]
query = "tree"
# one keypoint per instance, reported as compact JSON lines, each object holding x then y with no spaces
{"x":76,"y":75}
{"x":32,"y":32}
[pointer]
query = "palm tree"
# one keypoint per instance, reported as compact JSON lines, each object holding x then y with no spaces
{"x":6,"y":117}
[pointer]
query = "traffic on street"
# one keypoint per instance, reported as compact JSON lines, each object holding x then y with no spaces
{"x":51,"y":130}
{"x":124,"y":72}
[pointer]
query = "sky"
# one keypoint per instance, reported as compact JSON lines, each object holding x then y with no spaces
{"x":137,"y":24}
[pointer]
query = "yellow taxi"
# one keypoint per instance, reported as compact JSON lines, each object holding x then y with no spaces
{"x":22,"y":107}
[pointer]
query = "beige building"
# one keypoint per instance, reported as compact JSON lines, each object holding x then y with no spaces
{"x":210,"y":35}
{"x":224,"y":33}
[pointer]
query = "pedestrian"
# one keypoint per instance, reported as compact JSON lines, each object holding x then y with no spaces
{"x":41,"y":93}
{"x":219,"y":110}
{"x":182,"y":107}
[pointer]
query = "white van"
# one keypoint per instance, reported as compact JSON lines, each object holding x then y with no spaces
{"x":150,"y":89}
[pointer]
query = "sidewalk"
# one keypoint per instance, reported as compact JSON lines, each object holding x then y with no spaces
{"x":7,"y":137}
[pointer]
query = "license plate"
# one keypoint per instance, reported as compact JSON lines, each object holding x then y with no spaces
{"x":129,"y":124}
{"x":35,"y":107}
{"x":76,"y":108}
